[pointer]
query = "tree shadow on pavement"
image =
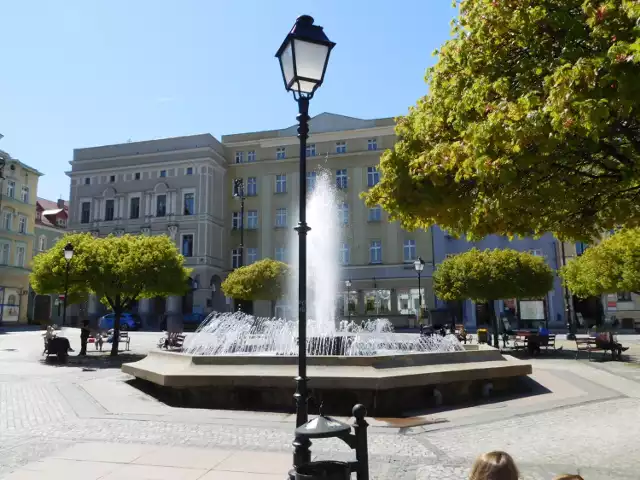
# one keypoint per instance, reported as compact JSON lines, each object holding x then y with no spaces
{"x":94,"y":361}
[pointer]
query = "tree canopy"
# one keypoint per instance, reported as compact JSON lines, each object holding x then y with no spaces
{"x":531,"y":124}
{"x":609,"y":267}
{"x":262,"y":280}
{"x":492,"y":275}
{"x":119,"y":270}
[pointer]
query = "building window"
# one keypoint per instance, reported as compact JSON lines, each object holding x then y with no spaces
{"x":163,"y":173}
{"x":311,"y":181}
{"x":112,"y":179}
{"x":345,"y":255}
{"x":252,"y":219}
{"x":624,"y":297}
{"x":251,"y":156}
{"x":372,"y":144}
{"x":239,"y":157}
{"x":252,"y":255}
{"x":4,"y":254}
{"x":236,"y":186}
{"x":109,"y":210}
{"x":25,"y":194}
{"x":377,"y":302}
{"x":283,"y":310}
{"x":189,"y":203}
{"x":38,"y":215}
{"x":343,"y":213}
{"x":136,"y":175}
{"x":536,"y":252}
{"x":11,"y":189}
{"x":235,"y":221}
{"x":375,"y":251}
{"x":85,"y":212}
{"x":311,"y":150}
{"x":7,"y":220}
{"x":341,"y":178}
{"x":87,"y":181}
{"x":341,"y":147}
{"x":61,"y":222}
{"x":22,"y":224}
{"x":280,"y":254}
{"x":409,"y":251}
{"x":187,"y":245}
{"x":373,"y":176}
{"x":375,"y":214}
{"x":42,"y":244}
{"x":161,"y":205}
{"x":236,"y":258}
{"x":281,"y":184}
{"x":189,"y":171}
{"x":252,"y":187}
{"x":134,"y":207}
{"x":409,"y":301}
{"x":281,"y":217}
{"x":20,"y":256}
{"x":281,"y":153}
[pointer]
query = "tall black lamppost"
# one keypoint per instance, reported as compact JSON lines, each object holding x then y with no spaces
{"x":68,"y":255}
{"x":571,"y":334}
{"x":347,"y":284}
{"x":418,"y":264}
{"x":238,"y":187}
{"x":303,"y":58}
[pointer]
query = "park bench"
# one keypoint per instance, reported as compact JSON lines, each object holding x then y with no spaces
{"x":125,"y":340}
{"x":589,"y":344}
{"x":175,"y":343}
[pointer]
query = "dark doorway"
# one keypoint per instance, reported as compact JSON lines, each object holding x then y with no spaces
{"x":42,"y":308}
{"x":245,"y":306}
{"x":483,"y":315}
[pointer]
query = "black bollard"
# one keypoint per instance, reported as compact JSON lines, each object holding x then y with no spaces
{"x":361,"y":447}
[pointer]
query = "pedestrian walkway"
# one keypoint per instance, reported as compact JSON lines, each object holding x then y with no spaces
{"x":113,"y":461}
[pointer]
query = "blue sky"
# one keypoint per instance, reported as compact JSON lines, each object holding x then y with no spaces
{"x":79,"y":73}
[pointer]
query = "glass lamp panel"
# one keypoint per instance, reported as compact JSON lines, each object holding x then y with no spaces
{"x":286,"y":63}
{"x":310,"y":60}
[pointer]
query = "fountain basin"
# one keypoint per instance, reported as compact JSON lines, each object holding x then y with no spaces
{"x":388,"y":385}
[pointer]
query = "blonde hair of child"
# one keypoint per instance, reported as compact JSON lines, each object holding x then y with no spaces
{"x":494,"y":466}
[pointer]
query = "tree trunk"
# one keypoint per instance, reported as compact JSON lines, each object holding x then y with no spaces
{"x":117,"y":312}
{"x":494,"y":317}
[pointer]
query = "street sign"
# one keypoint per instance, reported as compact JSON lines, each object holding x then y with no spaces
{"x":61,"y":296}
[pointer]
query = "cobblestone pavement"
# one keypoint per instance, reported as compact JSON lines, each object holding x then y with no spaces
{"x":588,"y":422}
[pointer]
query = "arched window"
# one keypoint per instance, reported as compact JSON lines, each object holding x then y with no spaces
{"x":11,"y":300}
{"x":42,"y":246}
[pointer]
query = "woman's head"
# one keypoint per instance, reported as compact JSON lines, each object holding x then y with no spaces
{"x":494,"y":466}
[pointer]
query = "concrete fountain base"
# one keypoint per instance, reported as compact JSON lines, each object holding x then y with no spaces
{"x":388,"y":385}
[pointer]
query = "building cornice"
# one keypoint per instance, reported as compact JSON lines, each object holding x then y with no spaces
{"x":137,"y":167}
{"x":316,"y":138}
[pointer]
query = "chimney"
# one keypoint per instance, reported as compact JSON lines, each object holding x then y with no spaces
{"x":61,"y":203}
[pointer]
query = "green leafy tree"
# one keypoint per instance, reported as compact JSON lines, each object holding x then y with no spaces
{"x":531,"y":124}
{"x":609,"y":267}
{"x":119,"y":270}
{"x":489,"y":275}
{"x":262,"y":280}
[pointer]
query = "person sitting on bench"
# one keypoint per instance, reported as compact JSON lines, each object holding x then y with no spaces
{"x":607,"y":341}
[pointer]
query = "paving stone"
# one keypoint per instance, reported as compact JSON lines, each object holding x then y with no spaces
{"x":45,"y":413}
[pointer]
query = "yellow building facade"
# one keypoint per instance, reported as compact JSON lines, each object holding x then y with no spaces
{"x":18,"y":187}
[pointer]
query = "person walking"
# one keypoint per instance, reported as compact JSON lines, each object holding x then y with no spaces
{"x":85,"y":332}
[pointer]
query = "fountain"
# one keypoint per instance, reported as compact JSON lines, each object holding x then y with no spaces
{"x":235,"y":360}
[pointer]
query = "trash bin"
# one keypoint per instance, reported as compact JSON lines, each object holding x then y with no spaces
{"x":483,"y":335}
{"x":325,"y":470}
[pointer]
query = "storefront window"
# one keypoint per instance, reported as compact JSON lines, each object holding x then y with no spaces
{"x":377,"y":302}
{"x":346,"y":304}
{"x":409,"y":301}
